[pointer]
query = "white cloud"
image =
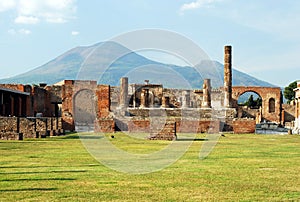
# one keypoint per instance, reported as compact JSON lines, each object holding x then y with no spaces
{"x":7,"y":5}
{"x":197,"y":4}
{"x":12,"y":31}
{"x":26,"y":20}
{"x":35,"y":11}
{"x":74,"y":33}
{"x":20,"y":31}
{"x":24,"y":31}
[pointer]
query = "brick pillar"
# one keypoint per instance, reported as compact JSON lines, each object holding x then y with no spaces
{"x":103,"y":95}
{"x":206,"y":94}
{"x":165,"y":102}
{"x":123,"y":92}
{"x":227,"y":77}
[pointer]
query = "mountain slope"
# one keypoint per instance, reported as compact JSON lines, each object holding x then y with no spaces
{"x":107,"y":62}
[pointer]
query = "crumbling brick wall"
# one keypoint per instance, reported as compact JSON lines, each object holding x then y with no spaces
{"x":12,"y":127}
{"x":167,"y":132}
{"x":241,"y":126}
{"x":142,"y":125}
{"x":198,"y":126}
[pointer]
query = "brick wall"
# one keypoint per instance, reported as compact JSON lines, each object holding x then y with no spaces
{"x":105,"y":126}
{"x":243,"y":126}
{"x":168,"y":132}
{"x":142,"y":125}
{"x":103,"y":96}
{"x":11,"y":127}
{"x":198,"y":126}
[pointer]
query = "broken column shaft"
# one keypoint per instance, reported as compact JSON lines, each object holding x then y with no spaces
{"x":185,"y":100}
{"x":123,"y":92}
{"x":227,"y":77}
{"x":206,"y":94}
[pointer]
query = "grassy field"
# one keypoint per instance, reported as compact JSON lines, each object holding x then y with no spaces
{"x":240,"y":168}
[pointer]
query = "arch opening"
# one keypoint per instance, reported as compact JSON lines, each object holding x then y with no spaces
{"x":250,"y":106}
{"x":84,"y":110}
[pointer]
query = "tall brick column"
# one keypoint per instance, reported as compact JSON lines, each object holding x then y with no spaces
{"x":227,"y":77}
{"x":123,"y":92}
{"x":206,"y":94}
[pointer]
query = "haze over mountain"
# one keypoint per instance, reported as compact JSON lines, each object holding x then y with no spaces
{"x":107,"y":62}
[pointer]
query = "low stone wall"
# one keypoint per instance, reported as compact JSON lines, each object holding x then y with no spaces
{"x":182,"y":126}
{"x":168,"y":132}
{"x":18,"y":128}
{"x":200,"y":113}
{"x":241,"y":126}
{"x":136,"y":126}
{"x":198,"y":126}
{"x":105,"y":126}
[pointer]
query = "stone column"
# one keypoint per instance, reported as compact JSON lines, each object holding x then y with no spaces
{"x":206,"y":94}
{"x":144,"y":98}
{"x":185,"y":100}
{"x":123,"y":92}
{"x":227,"y":77}
{"x":165,"y":102}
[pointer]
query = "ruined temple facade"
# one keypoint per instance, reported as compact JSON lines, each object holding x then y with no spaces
{"x":86,"y":105}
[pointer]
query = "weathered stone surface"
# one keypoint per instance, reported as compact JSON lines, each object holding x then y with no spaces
{"x":197,"y":126}
{"x":105,"y":126}
{"x":123,"y":103}
{"x":142,"y":125}
{"x":103,"y":95}
{"x":11,"y":127}
{"x":9,"y":136}
{"x":206,"y":93}
{"x":227,"y":76}
{"x":241,"y":126}
{"x":167,"y":132}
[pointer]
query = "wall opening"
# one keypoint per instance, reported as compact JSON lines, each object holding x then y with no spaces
{"x":84,"y":110}
{"x":249,"y":105}
{"x":271,"y":105}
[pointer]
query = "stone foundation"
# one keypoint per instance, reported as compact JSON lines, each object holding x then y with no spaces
{"x":105,"y":126}
{"x":12,"y":127}
{"x":241,"y":126}
{"x":168,"y":132}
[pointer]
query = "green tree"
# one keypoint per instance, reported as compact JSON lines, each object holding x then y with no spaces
{"x":289,"y":93}
{"x":250,"y":102}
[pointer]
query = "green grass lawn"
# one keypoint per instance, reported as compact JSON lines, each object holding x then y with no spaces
{"x":240,"y":168}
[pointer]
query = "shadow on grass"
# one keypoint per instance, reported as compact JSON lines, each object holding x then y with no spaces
{"x":90,"y":137}
{"x":37,"y":166}
{"x":192,"y":139}
{"x":40,"y":172}
{"x":38,"y":179}
{"x":28,"y":189}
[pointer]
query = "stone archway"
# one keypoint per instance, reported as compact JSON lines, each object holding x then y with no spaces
{"x":249,"y":106}
{"x":84,"y":108}
{"x":267,"y":94}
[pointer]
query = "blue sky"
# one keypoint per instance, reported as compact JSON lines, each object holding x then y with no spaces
{"x":265,"y":35}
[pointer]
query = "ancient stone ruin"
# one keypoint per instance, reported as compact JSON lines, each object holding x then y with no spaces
{"x":296,"y":129}
{"x":81,"y":105}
